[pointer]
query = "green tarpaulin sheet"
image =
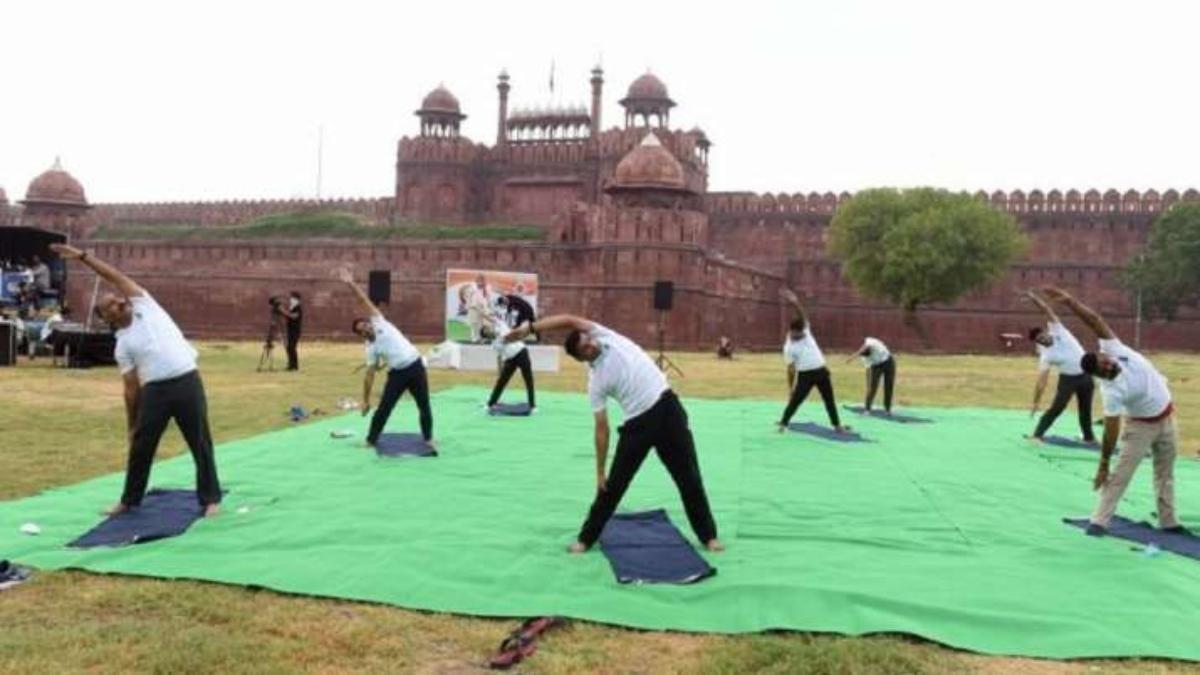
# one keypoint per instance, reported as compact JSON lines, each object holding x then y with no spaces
{"x":951,"y":531}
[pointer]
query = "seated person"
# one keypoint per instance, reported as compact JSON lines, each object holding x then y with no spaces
{"x":724,"y":348}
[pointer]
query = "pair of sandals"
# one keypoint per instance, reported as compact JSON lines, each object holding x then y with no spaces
{"x":522,"y":643}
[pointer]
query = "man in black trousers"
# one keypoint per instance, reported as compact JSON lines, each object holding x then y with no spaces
{"x":293,"y":313}
{"x":514,"y":356}
{"x":654,"y":418}
{"x":805,"y":367}
{"x":161,"y":383}
{"x":1059,"y":350}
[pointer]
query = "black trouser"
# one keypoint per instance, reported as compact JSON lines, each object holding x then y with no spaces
{"x":1080,"y":385}
{"x":521,"y":361}
{"x":886,"y":370}
{"x":410,"y":378}
{"x":663,"y":427}
{"x":182,"y":399}
{"x":293,"y":338}
{"x":805,"y":381}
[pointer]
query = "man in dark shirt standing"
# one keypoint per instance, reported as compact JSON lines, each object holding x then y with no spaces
{"x":294,"y":313}
{"x":517,"y":311}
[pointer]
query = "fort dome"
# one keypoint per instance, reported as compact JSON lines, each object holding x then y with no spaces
{"x":648,"y":87}
{"x":56,"y":186}
{"x":440,"y":100}
{"x":649,"y":165}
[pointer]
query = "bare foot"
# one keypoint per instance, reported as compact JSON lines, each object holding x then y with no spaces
{"x":212,"y":510}
{"x":577,"y":547}
{"x":715,"y":545}
{"x":116,"y":509}
{"x":843,"y":429}
{"x":781,"y":428}
{"x":1035,"y":439}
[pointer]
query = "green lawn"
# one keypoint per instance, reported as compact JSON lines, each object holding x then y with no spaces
{"x":62,"y":426}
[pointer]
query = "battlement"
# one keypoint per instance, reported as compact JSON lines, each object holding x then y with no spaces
{"x":1017,"y":201}
{"x":439,"y":149}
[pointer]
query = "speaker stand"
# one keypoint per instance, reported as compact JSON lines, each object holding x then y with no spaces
{"x":663,"y":361}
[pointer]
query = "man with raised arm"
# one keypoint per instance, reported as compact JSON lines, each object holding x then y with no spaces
{"x":161,"y":383}
{"x":388,"y":348}
{"x":805,"y":367}
{"x":1131,"y":387}
{"x":1061,"y":351}
{"x":513,"y":356}
{"x":880,"y":364}
{"x":653,"y":418}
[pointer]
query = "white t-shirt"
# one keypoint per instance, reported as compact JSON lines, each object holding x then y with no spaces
{"x":803,"y":354}
{"x":153,"y":344}
{"x":877,"y":352}
{"x":624,"y":372}
{"x":1064,"y":353}
{"x":1139,"y":390}
{"x":390,"y":345}
{"x":506,"y":350}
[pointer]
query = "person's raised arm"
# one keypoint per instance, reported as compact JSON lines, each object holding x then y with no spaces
{"x":1046,"y":309}
{"x":112,"y":275}
{"x":792,"y":299}
{"x":550,"y":323}
{"x":1086,"y":314}
{"x":347,"y":277}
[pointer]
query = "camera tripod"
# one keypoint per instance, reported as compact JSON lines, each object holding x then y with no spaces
{"x":663,"y":361}
{"x":267,"y":358}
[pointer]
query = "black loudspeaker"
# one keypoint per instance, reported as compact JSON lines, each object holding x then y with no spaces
{"x":379,"y":286}
{"x":664,"y":295}
{"x":8,"y":344}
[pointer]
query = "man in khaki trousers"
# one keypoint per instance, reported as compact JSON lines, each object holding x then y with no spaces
{"x":1132,"y":388}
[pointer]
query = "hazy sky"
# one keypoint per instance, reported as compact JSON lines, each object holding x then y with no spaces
{"x":151,"y":101}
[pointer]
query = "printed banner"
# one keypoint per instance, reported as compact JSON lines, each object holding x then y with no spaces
{"x":477,"y":297}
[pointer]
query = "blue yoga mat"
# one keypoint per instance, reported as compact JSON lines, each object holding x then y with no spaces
{"x":1145,"y":533}
{"x":162,"y":514}
{"x":403,"y":445}
{"x":511,"y":410}
{"x":1064,"y":442}
{"x":826,"y":433}
{"x":894,"y":417}
{"x":646,"y":548}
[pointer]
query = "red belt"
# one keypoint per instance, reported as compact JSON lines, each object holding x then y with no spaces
{"x":1159,"y":417}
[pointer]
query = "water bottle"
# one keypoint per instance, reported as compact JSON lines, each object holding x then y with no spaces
{"x":1151,"y":551}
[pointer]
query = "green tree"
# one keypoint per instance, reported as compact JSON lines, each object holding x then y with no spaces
{"x":1168,"y":274}
{"x":922,"y":246}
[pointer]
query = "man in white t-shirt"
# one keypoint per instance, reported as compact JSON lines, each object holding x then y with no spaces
{"x":1059,"y":350}
{"x":653,"y":418}
{"x":387,"y":348}
{"x":513,"y":356}
{"x":1133,"y":388}
{"x":805,"y":367}
{"x":880,"y":365}
{"x":161,"y":383}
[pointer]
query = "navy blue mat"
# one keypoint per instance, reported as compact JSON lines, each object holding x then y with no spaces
{"x":826,"y":433}
{"x":403,"y":445}
{"x":162,"y":514}
{"x":645,"y":548}
{"x":894,"y":417}
{"x":1145,"y":534}
{"x":511,"y":409}
{"x":1064,"y":442}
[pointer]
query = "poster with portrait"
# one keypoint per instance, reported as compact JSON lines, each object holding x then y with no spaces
{"x":474,"y":297}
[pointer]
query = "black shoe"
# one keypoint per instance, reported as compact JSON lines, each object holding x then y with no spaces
{"x":1094,"y":530}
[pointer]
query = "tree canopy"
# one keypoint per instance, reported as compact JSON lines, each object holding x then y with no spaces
{"x":922,"y":246}
{"x":1168,"y":274}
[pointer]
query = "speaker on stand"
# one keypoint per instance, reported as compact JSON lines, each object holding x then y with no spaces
{"x":379,"y":286}
{"x":664,"y":301}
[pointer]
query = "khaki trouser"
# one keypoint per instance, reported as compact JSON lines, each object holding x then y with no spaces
{"x":1138,"y":440}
